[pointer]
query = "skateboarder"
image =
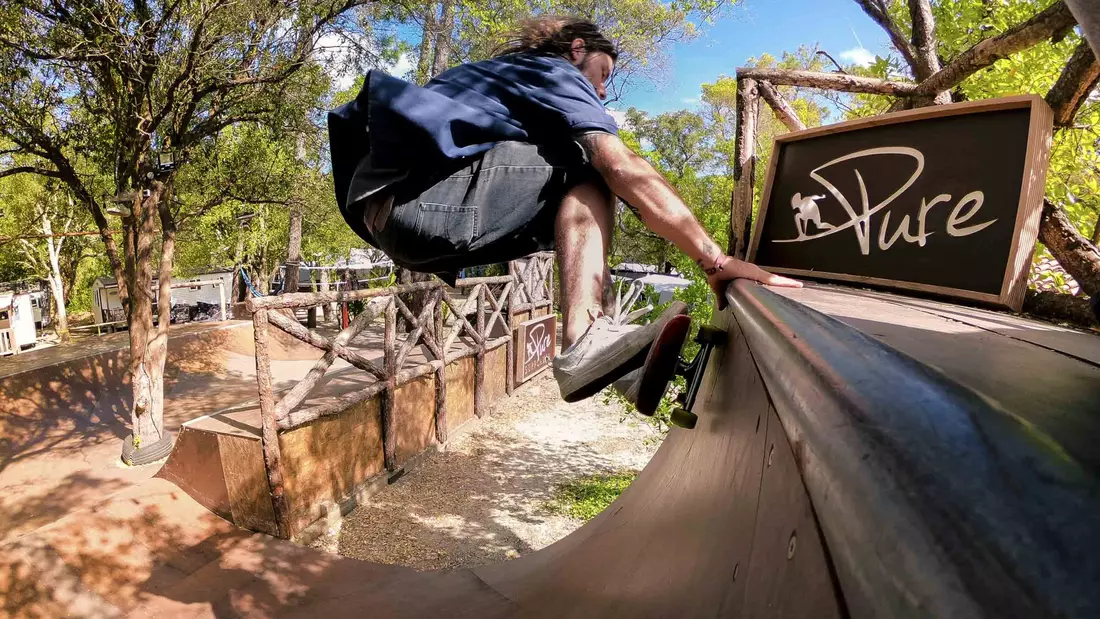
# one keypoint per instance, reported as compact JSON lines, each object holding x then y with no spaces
{"x":494,"y":160}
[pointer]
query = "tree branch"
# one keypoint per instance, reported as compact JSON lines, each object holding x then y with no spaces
{"x":783,"y":111}
{"x":829,"y":81}
{"x":876,"y":10}
{"x":924,"y":38}
{"x":1078,"y":78}
{"x":29,"y":169}
{"x":1054,"y":21}
{"x":1077,"y":255}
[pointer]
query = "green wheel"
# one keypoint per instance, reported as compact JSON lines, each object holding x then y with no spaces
{"x":710,"y":335}
{"x":682,"y":418}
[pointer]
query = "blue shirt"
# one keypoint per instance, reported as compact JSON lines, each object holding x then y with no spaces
{"x":393,"y":128}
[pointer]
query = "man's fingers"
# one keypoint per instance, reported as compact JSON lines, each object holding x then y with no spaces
{"x":778,"y":280}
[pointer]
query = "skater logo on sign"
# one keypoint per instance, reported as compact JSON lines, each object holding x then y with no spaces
{"x":536,"y":341}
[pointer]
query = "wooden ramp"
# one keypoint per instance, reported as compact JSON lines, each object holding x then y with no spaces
{"x":812,"y":487}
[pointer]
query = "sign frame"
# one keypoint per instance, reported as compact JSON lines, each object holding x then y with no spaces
{"x":549,"y":327}
{"x":1028,"y":211}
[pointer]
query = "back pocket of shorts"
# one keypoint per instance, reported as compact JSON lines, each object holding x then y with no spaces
{"x":448,"y":229}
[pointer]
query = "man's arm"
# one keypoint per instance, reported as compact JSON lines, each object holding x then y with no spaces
{"x":662,"y":210}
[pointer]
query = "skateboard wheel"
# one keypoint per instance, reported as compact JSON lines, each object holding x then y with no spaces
{"x":682,"y":418}
{"x":710,"y":335}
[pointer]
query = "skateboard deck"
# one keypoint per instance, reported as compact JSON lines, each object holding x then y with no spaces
{"x":661,"y":364}
{"x":664,"y":362}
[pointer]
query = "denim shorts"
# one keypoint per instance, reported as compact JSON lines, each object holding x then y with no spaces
{"x":496,"y":207}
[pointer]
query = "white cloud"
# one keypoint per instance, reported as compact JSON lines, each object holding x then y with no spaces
{"x":335,"y":55}
{"x":620,"y":118}
{"x":689,"y":100}
{"x":858,"y":55}
{"x":403,"y":65}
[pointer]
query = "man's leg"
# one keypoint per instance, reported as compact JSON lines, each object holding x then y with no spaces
{"x":583,"y":238}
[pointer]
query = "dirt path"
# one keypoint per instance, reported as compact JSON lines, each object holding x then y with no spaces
{"x":482,"y":500}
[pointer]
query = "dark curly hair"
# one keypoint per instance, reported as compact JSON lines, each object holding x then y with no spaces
{"x":552,"y":34}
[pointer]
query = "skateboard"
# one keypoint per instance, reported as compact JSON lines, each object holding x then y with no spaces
{"x":663,"y":362}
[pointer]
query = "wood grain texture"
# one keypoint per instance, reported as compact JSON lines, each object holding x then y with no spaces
{"x":325,"y":460}
{"x":460,"y":392}
{"x":789,"y":575}
{"x":242,"y":464}
{"x":414,"y":417}
{"x":1030,"y":210}
{"x":978,"y":460}
{"x":195,"y":465}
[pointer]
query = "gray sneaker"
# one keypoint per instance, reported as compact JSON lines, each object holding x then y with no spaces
{"x":605,"y":353}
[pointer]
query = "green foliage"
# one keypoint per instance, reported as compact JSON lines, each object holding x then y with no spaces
{"x":1072,"y":180}
{"x":586,"y":497}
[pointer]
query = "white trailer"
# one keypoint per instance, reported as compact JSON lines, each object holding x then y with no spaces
{"x":17,"y":330}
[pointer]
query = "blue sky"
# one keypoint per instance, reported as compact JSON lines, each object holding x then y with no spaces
{"x":752,"y":28}
{"x":755,"y":27}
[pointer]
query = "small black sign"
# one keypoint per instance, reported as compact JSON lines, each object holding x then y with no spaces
{"x":944,"y":199}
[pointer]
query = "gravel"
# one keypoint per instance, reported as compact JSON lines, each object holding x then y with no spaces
{"x":482,"y":500}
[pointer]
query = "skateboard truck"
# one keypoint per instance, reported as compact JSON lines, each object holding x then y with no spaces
{"x":707,"y":338}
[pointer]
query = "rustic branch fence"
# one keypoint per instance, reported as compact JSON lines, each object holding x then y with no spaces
{"x":445,"y":320}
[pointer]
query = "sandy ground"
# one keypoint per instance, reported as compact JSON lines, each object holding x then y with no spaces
{"x":483,"y":499}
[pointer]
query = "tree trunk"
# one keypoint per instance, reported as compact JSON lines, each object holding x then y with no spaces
{"x":1077,"y":255}
{"x":326,"y":309}
{"x":745,"y":173}
{"x":1060,"y":306}
{"x":148,"y":346}
{"x":828,"y":81}
{"x":424,"y":63}
{"x":238,"y":262}
{"x":293,"y":251}
{"x":443,"y":38}
{"x":61,"y":317}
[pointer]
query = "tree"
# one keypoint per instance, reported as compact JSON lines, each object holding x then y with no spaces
{"x":95,"y":91}
{"x":43,"y":230}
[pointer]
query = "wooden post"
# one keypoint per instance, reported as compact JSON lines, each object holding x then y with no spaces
{"x":743,"y":175}
{"x":269,"y":438}
{"x":389,"y":434}
{"x":479,"y":360}
{"x":510,"y":351}
{"x":441,"y":373}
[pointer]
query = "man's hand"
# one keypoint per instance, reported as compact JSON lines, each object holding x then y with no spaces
{"x":728,"y":268}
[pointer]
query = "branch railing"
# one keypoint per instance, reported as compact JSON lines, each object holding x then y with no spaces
{"x":439,"y":324}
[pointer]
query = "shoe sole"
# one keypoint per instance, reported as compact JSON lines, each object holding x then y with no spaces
{"x":660,"y":364}
{"x":592,"y":388}
{"x":638,"y":360}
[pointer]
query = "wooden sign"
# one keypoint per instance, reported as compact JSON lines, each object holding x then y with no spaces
{"x":944,"y":199}
{"x":535,"y":341}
